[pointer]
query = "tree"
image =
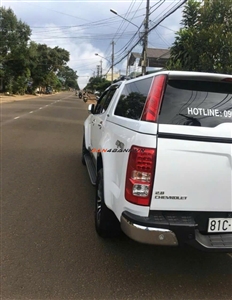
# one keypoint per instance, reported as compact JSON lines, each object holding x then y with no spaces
{"x":14,"y":36}
{"x":14,"y":33}
{"x":25,"y":66}
{"x":46,"y":64}
{"x":97,"y":83}
{"x":69,"y":77}
{"x":205,"y":41}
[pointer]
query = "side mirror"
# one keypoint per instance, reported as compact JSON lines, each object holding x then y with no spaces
{"x":91,"y":108}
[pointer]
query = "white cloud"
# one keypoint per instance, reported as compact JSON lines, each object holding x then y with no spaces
{"x":82,"y":52}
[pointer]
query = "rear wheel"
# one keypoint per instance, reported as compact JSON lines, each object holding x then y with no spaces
{"x":106,"y":223}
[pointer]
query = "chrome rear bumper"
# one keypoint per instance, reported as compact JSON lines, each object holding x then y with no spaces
{"x":148,"y":235}
{"x":175,"y":228}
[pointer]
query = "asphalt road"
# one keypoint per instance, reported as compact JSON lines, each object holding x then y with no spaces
{"x":49,"y":246}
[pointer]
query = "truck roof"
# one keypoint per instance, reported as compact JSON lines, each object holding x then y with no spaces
{"x":187,"y":74}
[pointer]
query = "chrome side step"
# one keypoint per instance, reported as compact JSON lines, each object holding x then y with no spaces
{"x":91,"y":168}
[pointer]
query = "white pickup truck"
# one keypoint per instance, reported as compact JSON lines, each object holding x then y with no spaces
{"x":159,"y":150}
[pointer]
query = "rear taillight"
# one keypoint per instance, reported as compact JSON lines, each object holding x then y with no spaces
{"x":140,"y":174}
{"x":154,"y":99}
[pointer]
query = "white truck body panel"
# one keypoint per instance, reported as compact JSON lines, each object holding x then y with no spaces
{"x":193,"y":161}
{"x":198,"y":173}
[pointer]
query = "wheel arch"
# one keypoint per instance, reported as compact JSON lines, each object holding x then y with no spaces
{"x":103,"y":162}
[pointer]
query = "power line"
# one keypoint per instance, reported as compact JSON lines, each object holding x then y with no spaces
{"x":167,"y":28}
{"x":150,"y":29}
{"x":107,"y":36}
{"x":130,"y":42}
{"x":133,"y":17}
{"x":123,"y":21}
{"x":127,"y":17}
{"x":165,"y":42}
{"x":151,"y":12}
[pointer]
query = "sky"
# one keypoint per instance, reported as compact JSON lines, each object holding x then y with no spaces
{"x":87,"y":27}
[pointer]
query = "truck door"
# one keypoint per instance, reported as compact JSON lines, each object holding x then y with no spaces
{"x":99,"y":117}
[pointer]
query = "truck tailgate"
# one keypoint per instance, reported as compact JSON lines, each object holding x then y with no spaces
{"x":192,"y":176}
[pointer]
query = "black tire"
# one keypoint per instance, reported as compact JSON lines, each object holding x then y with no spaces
{"x":84,"y":151}
{"x":106,"y":223}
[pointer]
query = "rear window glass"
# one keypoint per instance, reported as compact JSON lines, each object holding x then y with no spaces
{"x":133,"y":98}
{"x":196,"y":103}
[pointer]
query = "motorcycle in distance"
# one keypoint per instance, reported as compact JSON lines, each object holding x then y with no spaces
{"x":80,"y":95}
{"x":85,"y":97}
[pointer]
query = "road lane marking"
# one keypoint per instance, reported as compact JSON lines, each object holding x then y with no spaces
{"x":230,"y":254}
{"x":31,"y":112}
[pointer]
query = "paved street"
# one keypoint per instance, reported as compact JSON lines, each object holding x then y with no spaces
{"x":49,"y":246}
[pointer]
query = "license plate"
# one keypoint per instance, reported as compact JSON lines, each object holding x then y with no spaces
{"x":220,"y":225}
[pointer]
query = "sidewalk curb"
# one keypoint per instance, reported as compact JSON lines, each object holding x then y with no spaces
{"x":15,"y":98}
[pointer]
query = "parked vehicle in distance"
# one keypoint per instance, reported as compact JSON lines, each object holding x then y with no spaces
{"x":48,"y":90}
{"x":159,"y":150}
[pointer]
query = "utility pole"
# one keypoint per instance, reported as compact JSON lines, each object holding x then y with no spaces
{"x":98,"y":70}
{"x":127,"y":63}
{"x":145,"y":40}
{"x":101,"y":68}
{"x":112,"y":70}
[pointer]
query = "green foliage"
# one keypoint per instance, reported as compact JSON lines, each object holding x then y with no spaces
{"x":58,"y":84}
{"x":23,"y":62}
{"x":13,"y":34}
{"x":19,"y":85}
{"x":69,"y":77}
{"x":205,"y":41}
{"x":45,"y":64}
{"x":97,"y":83}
